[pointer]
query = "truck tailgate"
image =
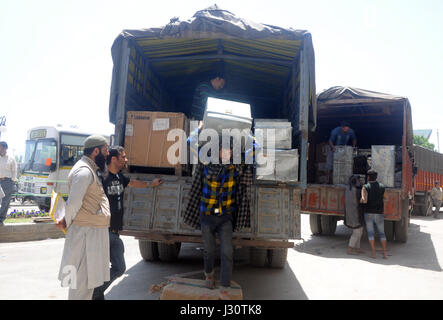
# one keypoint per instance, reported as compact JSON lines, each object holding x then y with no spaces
{"x":275,"y":210}
{"x":330,"y":200}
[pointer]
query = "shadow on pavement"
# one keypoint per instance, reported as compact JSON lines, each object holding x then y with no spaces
{"x":256,"y":283}
{"x":419,"y":251}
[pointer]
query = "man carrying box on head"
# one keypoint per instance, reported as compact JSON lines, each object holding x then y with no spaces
{"x":219,"y":204}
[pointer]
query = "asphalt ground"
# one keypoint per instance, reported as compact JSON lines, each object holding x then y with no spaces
{"x":317,"y":268}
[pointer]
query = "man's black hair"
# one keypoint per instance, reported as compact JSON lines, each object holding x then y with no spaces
{"x":372,"y":175}
{"x":345,"y":124}
{"x":4,"y":144}
{"x":114,"y":151}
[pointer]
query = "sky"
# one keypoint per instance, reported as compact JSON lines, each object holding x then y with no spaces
{"x":56,"y":65}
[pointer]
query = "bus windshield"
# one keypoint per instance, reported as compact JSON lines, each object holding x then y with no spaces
{"x":30,"y":146}
{"x":44,"y":155}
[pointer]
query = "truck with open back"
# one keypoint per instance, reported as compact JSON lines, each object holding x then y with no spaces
{"x":268,"y":67}
{"x":381,"y":121}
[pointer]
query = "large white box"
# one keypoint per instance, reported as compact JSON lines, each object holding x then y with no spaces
{"x":383,"y":161}
{"x":282,"y":132}
{"x":225,"y":114}
{"x":280,"y":165}
{"x":343,"y":164}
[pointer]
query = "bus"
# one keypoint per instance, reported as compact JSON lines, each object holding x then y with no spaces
{"x":50,"y":154}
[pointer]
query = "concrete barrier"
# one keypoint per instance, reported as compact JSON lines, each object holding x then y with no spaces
{"x":16,"y":232}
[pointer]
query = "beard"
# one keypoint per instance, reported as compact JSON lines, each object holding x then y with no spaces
{"x":100,"y":161}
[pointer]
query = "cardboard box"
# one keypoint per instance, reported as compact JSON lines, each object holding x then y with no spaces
{"x":146,"y":137}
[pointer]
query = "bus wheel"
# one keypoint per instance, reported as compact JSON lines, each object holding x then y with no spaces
{"x":148,"y":250}
{"x":389,"y":230}
{"x":328,"y":225}
{"x":314,"y":222}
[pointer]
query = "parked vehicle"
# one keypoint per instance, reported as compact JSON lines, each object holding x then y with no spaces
{"x":50,"y":154}
{"x":428,"y":167}
{"x":270,"y":68}
{"x":378,"y":119}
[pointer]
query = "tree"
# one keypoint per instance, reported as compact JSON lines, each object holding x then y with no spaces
{"x":422,"y":141}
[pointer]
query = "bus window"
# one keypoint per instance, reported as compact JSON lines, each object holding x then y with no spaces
{"x":44,"y":149}
{"x":71,"y":148}
{"x":70,"y":154}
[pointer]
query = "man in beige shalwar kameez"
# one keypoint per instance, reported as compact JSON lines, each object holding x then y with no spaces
{"x":85,"y":261}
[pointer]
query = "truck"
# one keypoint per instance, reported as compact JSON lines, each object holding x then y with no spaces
{"x":428,"y":168}
{"x":378,"y":119}
{"x":268,"y":67}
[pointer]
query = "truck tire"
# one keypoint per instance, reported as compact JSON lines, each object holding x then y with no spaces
{"x":314,"y":222}
{"x":259,"y":257}
{"x":148,"y":250}
{"x":401,"y":230}
{"x":241,"y":254}
{"x":428,"y":206}
{"x":277,"y":257}
{"x":168,"y":252}
{"x":328,"y":225}
{"x":401,"y":227}
{"x":389,"y":230}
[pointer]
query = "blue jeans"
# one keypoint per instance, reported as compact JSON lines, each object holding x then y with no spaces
{"x":118,"y":265}
{"x":379,"y":221}
{"x":8,"y":187}
{"x":210,"y":225}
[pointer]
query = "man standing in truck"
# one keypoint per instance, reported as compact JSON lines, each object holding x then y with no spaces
{"x":219,"y":204}
{"x":436,"y":197}
{"x":340,"y":136}
{"x":215,"y":87}
{"x":114,"y":184}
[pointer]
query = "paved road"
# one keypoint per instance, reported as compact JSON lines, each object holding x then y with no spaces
{"x":317,"y":268}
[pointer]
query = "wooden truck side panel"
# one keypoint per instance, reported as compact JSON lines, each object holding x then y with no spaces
{"x":330,"y":200}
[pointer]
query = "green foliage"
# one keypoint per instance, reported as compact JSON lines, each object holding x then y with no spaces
{"x":422,"y":141}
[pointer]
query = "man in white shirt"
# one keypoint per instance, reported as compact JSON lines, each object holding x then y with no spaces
{"x":8,"y":177}
{"x":437,"y":197}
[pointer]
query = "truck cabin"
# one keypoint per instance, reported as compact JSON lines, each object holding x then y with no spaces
{"x":376,"y":118}
{"x":268,"y":67}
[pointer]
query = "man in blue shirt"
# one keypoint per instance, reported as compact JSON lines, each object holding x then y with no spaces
{"x":340,"y":136}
